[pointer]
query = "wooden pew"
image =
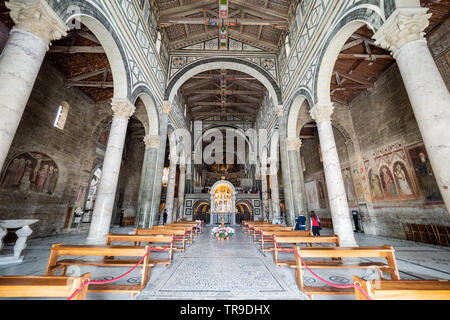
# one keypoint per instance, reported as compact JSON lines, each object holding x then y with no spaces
{"x":256,"y":235}
{"x":386,"y":252}
{"x":280,"y":233}
{"x":200,"y":225}
{"x":59,"y":250}
{"x":251,"y":226}
{"x":178,"y":233}
{"x":194,"y":230}
{"x":403,"y":289}
{"x":43,"y":286}
{"x":246,"y":226}
{"x":165,"y":240}
{"x":187,"y":230}
{"x":309,"y":240}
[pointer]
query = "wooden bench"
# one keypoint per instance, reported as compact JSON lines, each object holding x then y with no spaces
{"x":246,"y":226}
{"x":192,"y":228}
{"x":199,"y":225}
{"x":256,"y":232}
{"x":386,"y":252}
{"x":59,"y":250}
{"x":279,"y":233}
{"x":306,"y":239}
{"x":162,"y":240}
{"x":179,"y":235}
{"x":250,"y":227}
{"x":43,"y":286}
{"x":403,"y":289}
{"x":187,"y":230}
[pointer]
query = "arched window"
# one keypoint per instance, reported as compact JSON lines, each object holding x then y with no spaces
{"x":61,"y":115}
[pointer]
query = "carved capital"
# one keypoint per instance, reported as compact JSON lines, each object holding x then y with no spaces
{"x":166,"y":107}
{"x":38,"y":18}
{"x":293,"y":144}
{"x":122,"y":108}
{"x":403,"y":26}
{"x":152,"y":141}
{"x":322,"y":112}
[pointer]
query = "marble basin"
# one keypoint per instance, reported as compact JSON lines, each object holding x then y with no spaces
{"x":14,"y":224}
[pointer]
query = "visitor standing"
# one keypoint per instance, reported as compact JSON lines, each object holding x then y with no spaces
{"x":315,"y":224}
{"x":165,"y":216}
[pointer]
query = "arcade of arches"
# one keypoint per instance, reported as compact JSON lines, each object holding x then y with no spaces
{"x":130,"y":114}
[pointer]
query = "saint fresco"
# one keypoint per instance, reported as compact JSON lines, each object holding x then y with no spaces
{"x":31,"y":171}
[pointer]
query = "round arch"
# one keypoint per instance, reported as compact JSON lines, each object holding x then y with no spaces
{"x":147,"y":98}
{"x":92,"y":18}
{"x":297,"y":102}
{"x":224,"y":63}
{"x":346,"y":26}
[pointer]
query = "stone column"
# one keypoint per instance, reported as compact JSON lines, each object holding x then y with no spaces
{"x":285,"y":171}
{"x":275,"y":191}
{"x":264,"y":194}
{"x":340,"y":212}
{"x":123,"y":109}
{"x":144,"y":209}
{"x":302,"y":186}
{"x":171,"y":191}
{"x":36,"y":25}
{"x":403,"y":34}
{"x":181,"y":188}
{"x":157,"y":187}
{"x":293,"y":147}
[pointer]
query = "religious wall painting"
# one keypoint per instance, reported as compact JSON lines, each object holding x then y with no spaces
{"x":349,"y":189}
{"x":104,"y":136}
{"x":387,"y":182}
{"x":403,"y":180}
{"x":357,"y":184}
{"x":312,"y":195}
{"x":375,"y":185}
{"x":321,"y":194}
{"x":31,"y":172}
{"x":424,"y":173}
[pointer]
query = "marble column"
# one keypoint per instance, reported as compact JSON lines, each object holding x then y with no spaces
{"x":144,"y":208}
{"x":36,"y":25}
{"x":340,"y":212}
{"x":403,"y":34}
{"x":275,"y":191}
{"x":123,"y":109}
{"x":302,"y":187}
{"x":265,"y":196}
{"x":285,"y":171}
{"x":181,"y":189}
{"x":171,"y":191}
{"x":157,"y":187}
{"x":293,"y":147}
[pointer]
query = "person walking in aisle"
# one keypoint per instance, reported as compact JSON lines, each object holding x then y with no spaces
{"x":315,"y":224}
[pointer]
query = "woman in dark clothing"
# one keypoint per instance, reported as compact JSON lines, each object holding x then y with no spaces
{"x":300,"y":222}
{"x":315,"y":224}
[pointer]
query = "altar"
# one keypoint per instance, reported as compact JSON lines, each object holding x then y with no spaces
{"x":223,"y":200}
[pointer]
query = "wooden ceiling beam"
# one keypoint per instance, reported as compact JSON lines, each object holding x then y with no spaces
{"x":253,"y":41}
{"x":361,"y":56}
{"x":187,"y":9}
{"x":91,"y":84}
{"x":76,"y":49}
{"x":193,"y":39}
{"x":238,"y":21}
{"x":258,"y":10}
{"x":88,"y":75}
{"x":227,"y":92}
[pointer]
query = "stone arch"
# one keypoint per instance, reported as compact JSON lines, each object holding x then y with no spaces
{"x":297,"y":101}
{"x":353,"y":20}
{"x":92,"y":18}
{"x":150,"y":106}
{"x":224,"y":63}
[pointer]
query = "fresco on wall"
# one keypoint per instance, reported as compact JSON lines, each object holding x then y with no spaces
{"x":312,"y":195}
{"x":322,"y":194}
{"x":390,"y":176}
{"x":424,"y":173}
{"x":349,"y":188}
{"x":358,"y":185}
{"x":31,"y":172}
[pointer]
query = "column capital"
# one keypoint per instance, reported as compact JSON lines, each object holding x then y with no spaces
{"x":293,"y":144}
{"x":38,"y":18}
{"x":403,"y":26}
{"x":322,"y":112}
{"x":166,"y":107}
{"x":122,"y":108}
{"x":152,"y":141}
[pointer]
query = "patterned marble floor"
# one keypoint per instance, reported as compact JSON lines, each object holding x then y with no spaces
{"x":236,"y":269}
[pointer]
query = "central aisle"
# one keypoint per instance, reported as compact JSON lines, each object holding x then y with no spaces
{"x":210,"y":269}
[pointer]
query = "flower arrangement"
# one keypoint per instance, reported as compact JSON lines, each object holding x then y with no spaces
{"x":222,"y":233}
